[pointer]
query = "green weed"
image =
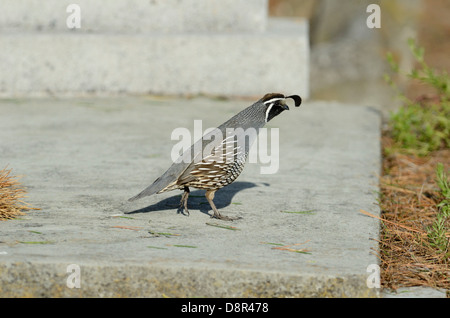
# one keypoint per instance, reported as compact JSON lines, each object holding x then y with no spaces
{"x":437,"y":232}
{"x":422,"y":126}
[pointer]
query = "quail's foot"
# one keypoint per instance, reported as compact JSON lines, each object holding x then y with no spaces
{"x":210,"y":196}
{"x":219,"y":216}
{"x":183,"y":209}
{"x":183,"y":203}
{"x":225,"y":218}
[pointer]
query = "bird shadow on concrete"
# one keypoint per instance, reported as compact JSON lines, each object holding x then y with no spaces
{"x":197,"y":199}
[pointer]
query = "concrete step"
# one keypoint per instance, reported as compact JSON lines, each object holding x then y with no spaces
{"x":230,"y":64}
{"x":81,"y":159}
{"x":136,"y":16}
{"x":415,"y":292}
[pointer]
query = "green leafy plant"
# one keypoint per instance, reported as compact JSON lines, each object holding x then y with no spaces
{"x":422,"y":126}
{"x":444,"y":185}
{"x":437,"y":233}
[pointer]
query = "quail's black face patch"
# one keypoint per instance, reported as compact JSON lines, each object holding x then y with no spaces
{"x":274,"y":109}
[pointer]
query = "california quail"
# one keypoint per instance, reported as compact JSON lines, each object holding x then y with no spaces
{"x":211,"y":165}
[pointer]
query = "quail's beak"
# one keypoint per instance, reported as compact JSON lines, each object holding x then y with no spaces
{"x":285,"y":107}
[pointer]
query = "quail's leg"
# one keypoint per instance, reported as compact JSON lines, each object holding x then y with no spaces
{"x":210,"y":196}
{"x":184,"y":199}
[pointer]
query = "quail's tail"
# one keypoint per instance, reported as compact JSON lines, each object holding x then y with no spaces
{"x":162,"y":184}
{"x":152,"y":189}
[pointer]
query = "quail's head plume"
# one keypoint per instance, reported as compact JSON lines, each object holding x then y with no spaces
{"x":213,"y":164}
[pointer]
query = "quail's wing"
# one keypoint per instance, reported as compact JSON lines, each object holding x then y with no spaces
{"x":221,"y":156}
{"x":211,"y":164}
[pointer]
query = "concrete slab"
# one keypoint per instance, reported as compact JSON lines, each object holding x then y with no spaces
{"x":81,"y":159}
{"x":415,"y":292}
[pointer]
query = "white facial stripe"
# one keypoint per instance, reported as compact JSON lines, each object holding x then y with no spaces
{"x":272,"y":100}
{"x":268,"y":111}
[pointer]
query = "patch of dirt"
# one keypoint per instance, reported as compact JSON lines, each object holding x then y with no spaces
{"x":408,"y":200}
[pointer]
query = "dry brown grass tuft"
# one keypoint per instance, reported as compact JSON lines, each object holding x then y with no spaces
{"x":11,"y":196}
{"x":409,"y":199}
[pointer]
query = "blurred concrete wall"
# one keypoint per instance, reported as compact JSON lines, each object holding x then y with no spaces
{"x":345,"y":50}
{"x":175,"y":47}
